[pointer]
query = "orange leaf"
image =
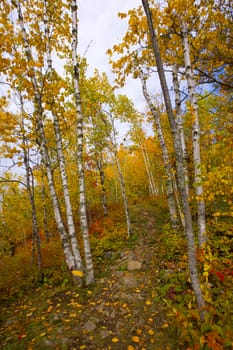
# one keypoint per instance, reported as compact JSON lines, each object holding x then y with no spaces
{"x":135,"y":339}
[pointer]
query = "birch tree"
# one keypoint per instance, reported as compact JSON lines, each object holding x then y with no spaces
{"x":79,"y":132}
{"x":166,"y":160}
{"x":180,"y":167}
{"x":195,"y":136}
{"x":39,"y":117}
{"x":50,"y":73}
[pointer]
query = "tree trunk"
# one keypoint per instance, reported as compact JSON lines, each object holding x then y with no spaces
{"x":61,"y":161}
{"x":30,"y":190}
{"x":180,"y":168}
{"x":195,"y":136}
{"x":45,"y":215}
{"x":102,"y":181}
{"x":166,"y":160}
{"x":121,"y":178}
{"x":179,"y":118}
{"x":82,"y":192}
{"x":152,"y":188}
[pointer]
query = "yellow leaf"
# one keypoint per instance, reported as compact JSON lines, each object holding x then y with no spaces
{"x":130,"y":347}
{"x":165,"y":325}
{"x":50,"y":308}
{"x":148,"y":302}
{"x":42,"y":334}
{"x":115,"y":340}
{"x":151,"y":332}
{"x":135,"y":339}
{"x":139,"y":331}
{"x":77,"y":273}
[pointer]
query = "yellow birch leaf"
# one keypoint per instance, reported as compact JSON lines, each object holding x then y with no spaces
{"x":50,"y":308}
{"x":130,"y":347}
{"x":165,"y":325}
{"x":115,"y":340}
{"x":151,"y":332}
{"x":77,"y":273}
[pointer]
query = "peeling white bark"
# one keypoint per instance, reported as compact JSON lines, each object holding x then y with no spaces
{"x":43,"y":146}
{"x":195,"y":136}
{"x":166,"y":158}
{"x":82,"y":192}
{"x":61,"y":161}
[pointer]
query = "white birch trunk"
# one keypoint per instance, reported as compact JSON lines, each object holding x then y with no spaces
{"x":102,"y":181}
{"x":82,"y":192}
{"x":166,"y":160}
{"x":195,"y":137}
{"x":30,"y":189}
{"x":45,"y":215}
{"x":44,"y":152}
{"x":179,"y":118}
{"x":121,"y":178}
{"x":152,"y":188}
{"x":61,"y":161}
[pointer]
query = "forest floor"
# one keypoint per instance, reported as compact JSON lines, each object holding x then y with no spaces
{"x":125,"y":309}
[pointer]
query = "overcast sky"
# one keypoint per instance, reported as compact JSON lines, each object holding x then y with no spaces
{"x":100,"y":27}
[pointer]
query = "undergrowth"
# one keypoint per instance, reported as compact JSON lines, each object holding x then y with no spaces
{"x":172,"y":292}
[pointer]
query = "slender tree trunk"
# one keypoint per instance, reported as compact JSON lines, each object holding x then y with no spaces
{"x":30,"y":190}
{"x":43,"y":147}
{"x":196,"y":137}
{"x":45,"y":215}
{"x":152,"y":188}
{"x":61,"y":161}
{"x":102,"y":181}
{"x":180,"y":168}
{"x":166,"y":160}
{"x":80,"y":165}
{"x":121,"y":178}
{"x":179,"y":118}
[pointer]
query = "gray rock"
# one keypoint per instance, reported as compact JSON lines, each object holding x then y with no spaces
{"x":104,"y":333}
{"x":49,"y":343}
{"x":134,"y":265}
{"x":89,"y":326}
{"x":129,"y":280}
